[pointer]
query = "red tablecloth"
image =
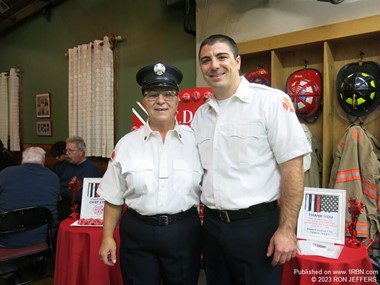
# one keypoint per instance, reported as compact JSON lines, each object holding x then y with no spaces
{"x":352,"y":267}
{"x":77,"y":260}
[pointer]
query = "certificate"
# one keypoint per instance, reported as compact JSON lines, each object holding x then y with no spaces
{"x":322,"y":215}
{"x":92,"y":204}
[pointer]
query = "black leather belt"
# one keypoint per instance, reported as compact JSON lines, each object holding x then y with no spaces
{"x":162,"y":219}
{"x":228,"y":216}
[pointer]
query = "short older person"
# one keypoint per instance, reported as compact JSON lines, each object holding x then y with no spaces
{"x":156,"y":171}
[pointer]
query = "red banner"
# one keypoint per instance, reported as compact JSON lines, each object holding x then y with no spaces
{"x":190,"y":100}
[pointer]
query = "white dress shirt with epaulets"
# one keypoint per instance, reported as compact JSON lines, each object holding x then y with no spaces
{"x":242,"y":145}
{"x":152,"y":176}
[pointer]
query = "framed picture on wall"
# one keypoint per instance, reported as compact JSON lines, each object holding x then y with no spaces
{"x":44,"y":128}
{"x":43,"y":105}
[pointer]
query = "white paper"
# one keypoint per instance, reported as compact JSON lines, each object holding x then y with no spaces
{"x":322,"y":215}
{"x":92,"y":206}
{"x":312,"y":247}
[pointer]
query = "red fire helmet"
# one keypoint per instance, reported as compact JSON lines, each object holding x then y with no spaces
{"x":259,"y":75}
{"x":305,"y":90}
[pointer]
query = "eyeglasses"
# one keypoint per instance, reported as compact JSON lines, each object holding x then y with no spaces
{"x":70,"y":150}
{"x":152,"y":96}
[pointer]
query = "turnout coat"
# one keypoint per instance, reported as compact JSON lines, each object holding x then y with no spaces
{"x":356,"y":169}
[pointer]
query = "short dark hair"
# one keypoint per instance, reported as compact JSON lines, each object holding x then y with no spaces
{"x":58,"y":148}
{"x":220,"y":38}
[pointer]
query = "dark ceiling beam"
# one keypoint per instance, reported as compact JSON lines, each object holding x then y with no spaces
{"x":26,"y":12}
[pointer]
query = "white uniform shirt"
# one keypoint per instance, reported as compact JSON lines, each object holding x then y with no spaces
{"x":153,"y":177}
{"x":242,"y":145}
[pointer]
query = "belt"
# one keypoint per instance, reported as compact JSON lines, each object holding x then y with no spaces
{"x":162,"y":219}
{"x":228,"y":216}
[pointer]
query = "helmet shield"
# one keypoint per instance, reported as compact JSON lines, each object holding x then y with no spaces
{"x":305,"y":90}
{"x":358,"y":88}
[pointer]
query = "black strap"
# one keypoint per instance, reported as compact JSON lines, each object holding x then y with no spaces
{"x":228,"y":216}
{"x":162,"y":219}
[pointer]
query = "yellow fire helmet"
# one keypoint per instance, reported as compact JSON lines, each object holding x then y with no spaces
{"x":358,"y":88}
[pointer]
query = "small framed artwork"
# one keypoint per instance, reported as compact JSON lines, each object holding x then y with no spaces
{"x":44,"y":128}
{"x":43,"y":105}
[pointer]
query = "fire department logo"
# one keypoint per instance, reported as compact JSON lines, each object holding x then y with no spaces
{"x":159,"y":69}
{"x":287,"y":105}
{"x":98,"y":210}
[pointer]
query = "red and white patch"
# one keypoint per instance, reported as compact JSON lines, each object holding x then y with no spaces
{"x":112,"y":155}
{"x":287,"y":105}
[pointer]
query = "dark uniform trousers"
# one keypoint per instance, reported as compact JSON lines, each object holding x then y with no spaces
{"x":151,"y":254}
{"x":235,"y":251}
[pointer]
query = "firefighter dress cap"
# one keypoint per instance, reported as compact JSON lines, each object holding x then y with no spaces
{"x":159,"y":75}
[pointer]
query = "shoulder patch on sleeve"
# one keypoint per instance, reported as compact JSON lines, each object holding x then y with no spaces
{"x":112,"y":155}
{"x":287,"y":105}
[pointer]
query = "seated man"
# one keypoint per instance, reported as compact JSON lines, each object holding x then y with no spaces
{"x":27,"y":185}
{"x":58,"y":151}
{"x":76,"y":166}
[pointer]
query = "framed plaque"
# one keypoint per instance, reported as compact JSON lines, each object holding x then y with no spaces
{"x":322,"y":215}
{"x":91,"y":212}
{"x":43,"y":105}
{"x":44,"y":128}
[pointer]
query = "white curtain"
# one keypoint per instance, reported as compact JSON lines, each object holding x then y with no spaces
{"x":9,"y":109}
{"x":91,"y":96}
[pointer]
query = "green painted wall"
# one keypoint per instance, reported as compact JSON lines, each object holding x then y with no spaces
{"x":152,"y":31}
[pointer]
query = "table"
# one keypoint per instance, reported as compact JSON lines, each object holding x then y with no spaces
{"x":352,"y":267}
{"x":77,"y":260}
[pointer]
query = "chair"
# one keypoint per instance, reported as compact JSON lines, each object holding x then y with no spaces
{"x":25,"y":219}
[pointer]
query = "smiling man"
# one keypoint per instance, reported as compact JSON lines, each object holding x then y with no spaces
{"x":156,"y":171}
{"x":251,"y":146}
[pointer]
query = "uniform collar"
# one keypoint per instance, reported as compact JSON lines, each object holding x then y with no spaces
{"x":242,"y":94}
{"x":243,"y":91}
{"x":148,"y":132}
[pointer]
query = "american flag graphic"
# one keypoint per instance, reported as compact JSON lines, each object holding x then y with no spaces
{"x":91,"y":190}
{"x":321,"y":203}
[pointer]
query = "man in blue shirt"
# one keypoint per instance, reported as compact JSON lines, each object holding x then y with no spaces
{"x":76,"y":166}
{"x":26,"y":185}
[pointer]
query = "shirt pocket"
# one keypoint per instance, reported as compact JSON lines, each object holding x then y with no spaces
{"x":138,"y":175}
{"x":245,"y":142}
{"x":204,"y":144}
{"x":185,"y":178}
